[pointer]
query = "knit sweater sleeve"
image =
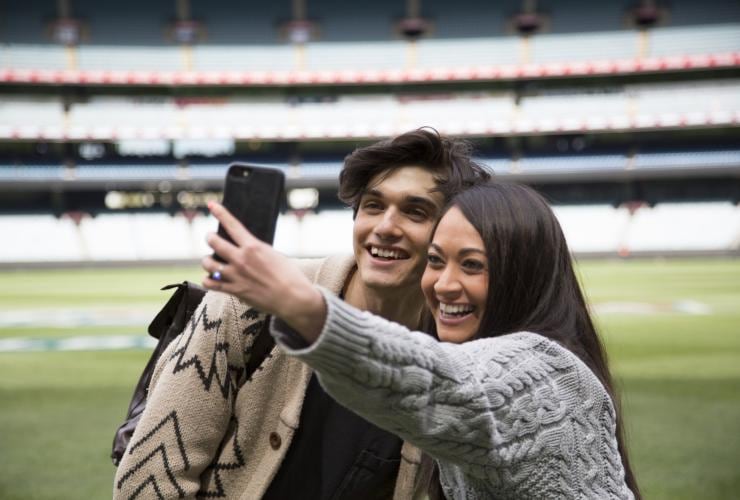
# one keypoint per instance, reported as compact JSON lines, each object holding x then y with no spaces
{"x":189,"y":404}
{"x":491,"y":407}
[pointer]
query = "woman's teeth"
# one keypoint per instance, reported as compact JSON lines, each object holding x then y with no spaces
{"x":455,"y":309}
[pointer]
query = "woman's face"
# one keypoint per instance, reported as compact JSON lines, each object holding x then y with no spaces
{"x":455,"y":282}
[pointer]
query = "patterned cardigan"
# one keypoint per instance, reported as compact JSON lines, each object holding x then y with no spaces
{"x":208,"y":431}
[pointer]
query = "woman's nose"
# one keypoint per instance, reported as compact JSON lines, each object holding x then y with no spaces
{"x":447,"y":283}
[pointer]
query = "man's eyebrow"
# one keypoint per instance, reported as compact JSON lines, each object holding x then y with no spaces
{"x":421,"y":200}
{"x":372,"y":192}
{"x":414,"y":199}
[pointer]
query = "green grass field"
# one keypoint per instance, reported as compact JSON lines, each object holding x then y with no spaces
{"x":672,"y":329}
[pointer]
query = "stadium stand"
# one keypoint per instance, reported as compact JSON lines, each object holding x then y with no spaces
{"x":591,"y":230}
{"x":594,"y":229}
{"x":124,"y":135}
{"x":39,"y":238}
{"x":700,"y":104}
{"x":684,"y":227}
{"x":491,"y":58}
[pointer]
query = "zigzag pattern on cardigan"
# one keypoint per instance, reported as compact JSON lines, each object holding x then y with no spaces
{"x":224,"y":383}
{"x":227,"y":384}
{"x":221,"y":465}
{"x":160,"y":451}
{"x":213,"y":399}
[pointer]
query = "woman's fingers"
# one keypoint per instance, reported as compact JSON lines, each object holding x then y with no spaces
{"x":231,"y":224}
{"x":215,"y":269}
{"x":224,"y":248}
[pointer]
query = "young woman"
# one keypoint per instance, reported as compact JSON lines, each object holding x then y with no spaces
{"x":513,"y":399}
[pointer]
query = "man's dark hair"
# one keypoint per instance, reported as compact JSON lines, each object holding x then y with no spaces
{"x":449,"y":159}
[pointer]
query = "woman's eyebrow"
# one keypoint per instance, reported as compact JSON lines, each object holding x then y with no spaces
{"x":466,"y":251}
{"x":462,"y":251}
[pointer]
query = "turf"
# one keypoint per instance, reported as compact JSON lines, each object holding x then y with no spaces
{"x":679,"y":374}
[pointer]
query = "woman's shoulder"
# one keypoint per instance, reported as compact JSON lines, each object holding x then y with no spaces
{"x":523,"y":345}
{"x":538,"y":359}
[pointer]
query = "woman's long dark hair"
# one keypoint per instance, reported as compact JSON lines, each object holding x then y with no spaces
{"x":532,"y":285}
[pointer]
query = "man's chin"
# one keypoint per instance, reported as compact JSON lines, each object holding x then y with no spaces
{"x":381,"y":282}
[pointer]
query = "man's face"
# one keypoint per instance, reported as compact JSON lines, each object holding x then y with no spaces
{"x":393,"y":227}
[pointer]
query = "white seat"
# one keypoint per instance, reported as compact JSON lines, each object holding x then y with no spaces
{"x":708,"y":226}
{"x":592,"y":228}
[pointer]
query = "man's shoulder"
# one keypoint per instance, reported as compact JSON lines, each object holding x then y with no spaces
{"x":310,"y":266}
{"x":330,"y":272}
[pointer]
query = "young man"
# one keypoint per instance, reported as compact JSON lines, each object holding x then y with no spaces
{"x":210,"y":432}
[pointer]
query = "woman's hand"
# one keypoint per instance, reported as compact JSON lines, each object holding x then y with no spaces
{"x":262,"y":277}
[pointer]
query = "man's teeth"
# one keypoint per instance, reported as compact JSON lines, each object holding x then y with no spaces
{"x":386,"y":253}
{"x":456,"y":309}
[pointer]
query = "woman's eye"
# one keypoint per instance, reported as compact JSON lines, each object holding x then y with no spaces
{"x":474,"y":265}
{"x":433,"y":259}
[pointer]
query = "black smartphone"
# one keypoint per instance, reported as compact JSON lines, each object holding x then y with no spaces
{"x":253,"y":194}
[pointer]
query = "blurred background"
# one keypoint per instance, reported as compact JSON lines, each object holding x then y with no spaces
{"x":118,"y":121}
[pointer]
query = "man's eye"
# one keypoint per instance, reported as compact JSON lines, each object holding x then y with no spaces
{"x":417,"y":213}
{"x":371,"y":205}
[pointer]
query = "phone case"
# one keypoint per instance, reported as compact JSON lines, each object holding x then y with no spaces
{"x":253,"y":194}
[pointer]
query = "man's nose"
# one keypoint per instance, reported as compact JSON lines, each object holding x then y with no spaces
{"x":388,"y":226}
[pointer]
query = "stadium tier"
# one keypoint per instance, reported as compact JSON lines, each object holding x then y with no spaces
{"x":325,"y":174}
{"x":591,"y":230}
{"x":623,"y":107}
{"x":468,"y":59}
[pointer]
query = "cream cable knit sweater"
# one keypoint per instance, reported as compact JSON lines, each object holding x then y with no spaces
{"x":512,"y":417}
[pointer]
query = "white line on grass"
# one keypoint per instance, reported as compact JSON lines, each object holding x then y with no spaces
{"x":82,"y":343}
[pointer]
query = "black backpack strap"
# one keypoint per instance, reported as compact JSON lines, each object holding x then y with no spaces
{"x":260,"y":349}
{"x":169,"y":322}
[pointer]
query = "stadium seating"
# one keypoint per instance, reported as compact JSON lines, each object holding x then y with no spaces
{"x":709,"y":226}
{"x":30,"y":117}
{"x":589,"y":229}
{"x":682,"y":41}
{"x":39,"y":238}
{"x":468,"y":57}
{"x":108,"y":237}
{"x":593,"y":228}
{"x":310,"y":235}
{"x":602,"y":109}
{"x":106,"y":58}
{"x":464,"y":113}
